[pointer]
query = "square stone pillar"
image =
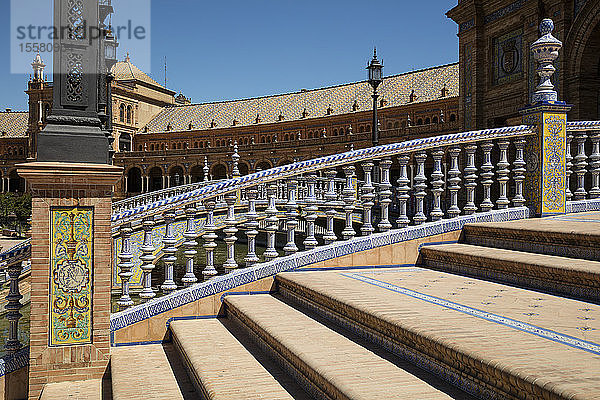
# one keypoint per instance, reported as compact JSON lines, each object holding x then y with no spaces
{"x":545,"y":157}
{"x":70,"y":271}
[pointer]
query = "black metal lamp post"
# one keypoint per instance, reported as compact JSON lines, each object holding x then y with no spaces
{"x":375,"y":69}
{"x":110,"y":59}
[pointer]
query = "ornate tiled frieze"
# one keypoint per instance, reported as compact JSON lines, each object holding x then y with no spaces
{"x":554,"y":169}
{"x":71,"y":276}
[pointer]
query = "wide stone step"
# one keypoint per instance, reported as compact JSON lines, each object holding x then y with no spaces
{"x":223,"y":367}
{"x":566,"y":236}
{"x":329,"y":364}
{"x":560,"y":275}
{"x":150,"y":372}
{"x":485,"y":337}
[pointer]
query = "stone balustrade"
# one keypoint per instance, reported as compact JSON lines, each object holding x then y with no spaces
{"x":328,"y":200}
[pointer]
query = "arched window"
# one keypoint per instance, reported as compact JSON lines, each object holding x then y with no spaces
{"x":389,"y":125}
{"x":361,"y":129}
{"x":452,"y":117}
{"x":368,"y":128}
{"x":396,"y":125}
{"x":124,"y":142}
{"x":129,"y":114}
{"x":140,"y":147}
{"x":435,"y":120}
{"x":122,"y":113}
{"x":342,"y":132}
{"x":420,"y":121}
{"x":335,"y":132}
{"x":427,"y":121}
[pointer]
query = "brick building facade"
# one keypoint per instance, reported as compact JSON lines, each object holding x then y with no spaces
{"x":497,"y":73}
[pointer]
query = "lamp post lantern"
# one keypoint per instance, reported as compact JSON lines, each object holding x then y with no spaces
{"x":375,"y":69}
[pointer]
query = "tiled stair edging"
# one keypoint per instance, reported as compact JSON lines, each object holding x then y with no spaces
{"x":245,"y":276}
{"x":423,"y":361}
{"x":561,"y":281}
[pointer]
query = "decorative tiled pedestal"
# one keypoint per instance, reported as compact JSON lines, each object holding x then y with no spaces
{"x":545,"y":157}
{"x":70,"y":271}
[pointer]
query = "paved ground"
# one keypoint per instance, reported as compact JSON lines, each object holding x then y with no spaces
{"x":542,"y":335}
{"x":96,"y":389}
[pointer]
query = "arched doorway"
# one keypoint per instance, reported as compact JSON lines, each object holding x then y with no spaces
{"x":197,"y":173}
{"x":243,"y":167}
{"x":219,"y":171}
{"x":134,"y":180}
{"x":582,"y":76}
{"x":156,"y":179}
{"x":176,"y":177}
{"x":263,"y":165}
{"x":16,"y":184}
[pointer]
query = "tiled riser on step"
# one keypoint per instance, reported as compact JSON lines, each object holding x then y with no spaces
{"x":576,"y":247}
{"x":460,"y":369}
{"x":426,"y":363}
{"x":578,"y":285}
{"x":306,"y":382}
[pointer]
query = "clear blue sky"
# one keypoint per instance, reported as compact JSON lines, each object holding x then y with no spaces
{"x":229,"y":49}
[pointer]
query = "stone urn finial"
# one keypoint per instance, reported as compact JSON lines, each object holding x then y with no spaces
{"x":545,"y":52}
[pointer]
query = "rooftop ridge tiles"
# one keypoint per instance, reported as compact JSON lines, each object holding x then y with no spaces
{"x":302,"y":91}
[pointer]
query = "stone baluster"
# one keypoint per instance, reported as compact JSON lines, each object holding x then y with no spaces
{"x":272,"y":222}
{"x":420,"y":187}
{"x":311,"y":212}
{"x":437,"y":184}
{"x":291,"y":218}
{"x":519,"y":172}
{"x":385,"y":195}
{"x":569,"y":166}
{"x":235,"y":158}
{"x":454,"y":182}
{"x":12,"y":307}
{"x":169,"y":251}
{"x":251,"y":227}
{"x":581,"y":165}
{"x":367,"y":198}
{"x":190,"y":246}
{"x":125,"y":267}
{"x":403,"y":190}
{"x":503,"y":173}
{"x":205,"y":170}
{"x":147,"y":258}
{"x":349,"y":199}
{"x":470,"y":179}
{"x":230,"y":232}
{"x":209,"y":240}
{"x":330,"y":201}
{"x":595,"y":165}
{"x":487,"y":175}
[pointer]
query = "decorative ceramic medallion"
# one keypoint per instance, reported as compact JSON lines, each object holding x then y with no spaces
{"x":71,"y":276}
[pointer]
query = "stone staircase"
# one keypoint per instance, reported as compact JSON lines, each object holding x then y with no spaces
{"x":498,"y":315}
